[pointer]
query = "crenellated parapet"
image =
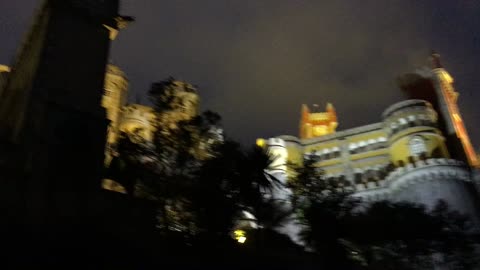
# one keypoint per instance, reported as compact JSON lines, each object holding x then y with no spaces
{"x":426,"y":182}
{"x":428,"y":170}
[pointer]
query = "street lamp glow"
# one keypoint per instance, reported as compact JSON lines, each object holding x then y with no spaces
{"x":240,"y":236}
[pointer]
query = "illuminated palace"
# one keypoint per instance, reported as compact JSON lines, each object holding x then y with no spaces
{"x":419,"y":151}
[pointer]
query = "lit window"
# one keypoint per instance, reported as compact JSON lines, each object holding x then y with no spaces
{"x":417,"y":146}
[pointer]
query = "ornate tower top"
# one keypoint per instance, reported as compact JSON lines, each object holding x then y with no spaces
{"x":314,"y":123}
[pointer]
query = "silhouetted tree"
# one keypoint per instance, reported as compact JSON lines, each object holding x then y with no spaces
{"x":307,"y":183}
{"x":199,"y":180}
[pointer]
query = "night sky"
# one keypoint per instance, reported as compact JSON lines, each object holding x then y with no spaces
{"x":256,"y":61}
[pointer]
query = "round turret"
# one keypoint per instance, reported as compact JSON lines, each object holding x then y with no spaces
{"x":412,"y":131}
{"x":426,"y":182}
{"x":277,"y":149}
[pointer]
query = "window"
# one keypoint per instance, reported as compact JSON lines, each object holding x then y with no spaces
{"x":393,"y":128}
{"x":417,"y":146}
{"x":353,"y":148}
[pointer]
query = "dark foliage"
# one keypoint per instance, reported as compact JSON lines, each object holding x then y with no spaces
{"x":349,"y":234}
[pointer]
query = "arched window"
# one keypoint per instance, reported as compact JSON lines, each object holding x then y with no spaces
{"x":417,"y":146}
{"x":361,"y":146}
{"x":336,"y":152}
{"x":411,"y":120}
{"x":371,"y":144}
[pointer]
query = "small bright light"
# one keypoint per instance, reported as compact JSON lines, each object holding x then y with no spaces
{"x":241,"y":239}
{"x":260,"y":143}
{"x":240,"y":236}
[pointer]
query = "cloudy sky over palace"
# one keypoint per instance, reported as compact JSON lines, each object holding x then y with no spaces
{"x":256,"y":61}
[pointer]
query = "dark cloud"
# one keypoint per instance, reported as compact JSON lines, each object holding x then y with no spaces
{"x":256,"y":62}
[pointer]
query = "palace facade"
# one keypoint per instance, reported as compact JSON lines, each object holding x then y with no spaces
{"x":419,"y":151}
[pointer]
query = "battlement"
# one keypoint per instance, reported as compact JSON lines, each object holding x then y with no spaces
{"x":403,"y":106}
{"x":435,"y":169}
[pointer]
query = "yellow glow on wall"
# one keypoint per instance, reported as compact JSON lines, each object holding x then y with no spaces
{"x":434,"y":145}
{"x":369,"y":154}
{"x":320,"y":131}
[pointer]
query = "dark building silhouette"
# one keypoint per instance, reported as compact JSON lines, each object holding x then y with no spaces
{"x":53,"y":128}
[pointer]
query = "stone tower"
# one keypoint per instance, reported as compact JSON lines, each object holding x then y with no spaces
{"x":447,"y":97}
{"x":436,"y":86}
{"x":113,"y":100}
